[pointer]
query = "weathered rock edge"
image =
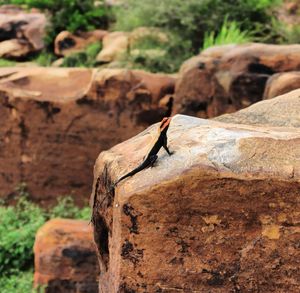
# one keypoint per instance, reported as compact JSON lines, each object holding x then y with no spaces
{"x":219,"y":214}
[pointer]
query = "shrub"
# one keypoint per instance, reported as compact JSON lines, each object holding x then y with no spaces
{"x":229,"y":33}
{"x":18,"y":226}
{"x":191,"y":19}
{"x":44,"y":58}
{"x":65,"y":208}
{"x":157,"y":56}
{"x":285,"y":34}
{"x":71,"y":15}
{"x":20,"y":282}
{"x":86,"y":58}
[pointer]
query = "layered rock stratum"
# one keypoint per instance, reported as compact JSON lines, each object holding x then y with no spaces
{"x":220,"y":215}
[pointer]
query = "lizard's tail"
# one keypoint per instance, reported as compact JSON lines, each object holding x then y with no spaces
{"x":133,"y":172}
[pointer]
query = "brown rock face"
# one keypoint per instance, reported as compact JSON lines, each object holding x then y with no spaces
{"x":67,"y":43}
{"x":55,"y":121}
{"x":65,"y":257}
{"x":228,"y":78}
{"x":219,"y":215}
{"x":281,"y":83}
{"x":21,"y":33}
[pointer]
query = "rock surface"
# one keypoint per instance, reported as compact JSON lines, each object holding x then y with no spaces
{"x":118,"y":44}
{"x":67,"y":43}
{"x":55,"y":121}
{"x":21,"y":33}
{"x":65,"y":257}
{"x":114,"y":45}
{"x":280,"y":111}
{"x":227,"y":78}
{"x":220,"y":215}
{"x":281,"y":83}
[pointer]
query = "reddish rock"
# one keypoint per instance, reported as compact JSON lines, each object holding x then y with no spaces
{"x":219,"y":215}
{"x":65,"y":257}
{"x":67,"y":43}
{"x":282,"y":83}
{"x":21,"y":33}
{"x":55,"y":121}
{"x":227,"y":78}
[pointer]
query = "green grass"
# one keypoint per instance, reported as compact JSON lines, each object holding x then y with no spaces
{"x":230,"y":33}
{"x":6,"y":63}
{"x":86,"y":58}
{"x":18,"y":226}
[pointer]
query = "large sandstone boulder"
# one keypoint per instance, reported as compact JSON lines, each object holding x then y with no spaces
{"x":65,"y":257}
{"x":55,"y":121}
{"x":228,"y":78}
{"x":281,"y":83}
{"x":21,"y":33}
{"x":219,"y":215}
{"x":67,"y":43}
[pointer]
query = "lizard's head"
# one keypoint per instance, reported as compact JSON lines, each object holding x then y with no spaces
{"x":164,"y":124}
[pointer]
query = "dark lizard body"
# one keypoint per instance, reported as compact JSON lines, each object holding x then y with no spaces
{"x":161,"y":141}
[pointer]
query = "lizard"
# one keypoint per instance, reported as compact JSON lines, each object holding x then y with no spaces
{"x":150,"y":159}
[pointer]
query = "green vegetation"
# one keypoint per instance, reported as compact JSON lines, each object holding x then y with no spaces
{"x":284,"y":34}
{"x":44,"y":58}
{"x":18,"y":226}
{"x":71,"y":15}
{"x":230,"y":33}
{"x":20,"y":282}
{"x":86,"y":58}
{"x":191,"y":19}
{"x":150,"y":53}
{"x":190,"y":25}
{"x":6,"y":63}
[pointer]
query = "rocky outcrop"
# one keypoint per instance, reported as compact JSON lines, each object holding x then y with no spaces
{"x":224,"y":205}
{"x":65,"y":257}
{"x":228,"y":78}
{"x":21,"y":33}
{"x":281,"y":83}
{"x":55,"y":121}
{"x":67,"y":43}
{"x":281,"y":111}
{"x":115,"y":44}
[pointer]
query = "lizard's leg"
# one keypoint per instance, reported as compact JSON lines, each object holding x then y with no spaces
{"x":166,"y":147}
{"x":152,"y":161}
